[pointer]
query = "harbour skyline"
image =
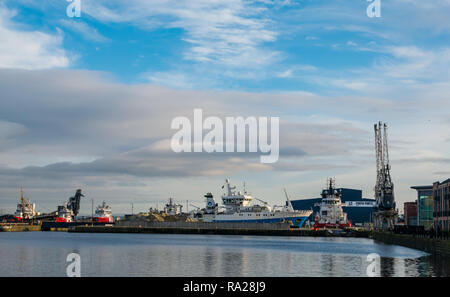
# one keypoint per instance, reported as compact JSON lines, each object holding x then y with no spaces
{"x":87,"y":102}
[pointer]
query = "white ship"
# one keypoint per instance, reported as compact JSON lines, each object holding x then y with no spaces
{"x":331,"y":213}
{"x":103,"y":214}
{"x":172,"y":208}
{"x":237,"y":208}
{"x":25,"y":209}
{"x":64,"y":214}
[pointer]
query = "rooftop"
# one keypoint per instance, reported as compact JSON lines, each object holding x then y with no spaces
{"x":422,"y":187}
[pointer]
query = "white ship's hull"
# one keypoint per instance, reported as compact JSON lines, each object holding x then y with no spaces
{"x":297,"y":218}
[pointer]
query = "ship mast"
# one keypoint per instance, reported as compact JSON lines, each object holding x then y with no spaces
{"x":22,"y":199}
{"x":27,"y":207}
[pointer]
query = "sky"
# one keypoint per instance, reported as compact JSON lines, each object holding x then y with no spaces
{"x":87,"y":102}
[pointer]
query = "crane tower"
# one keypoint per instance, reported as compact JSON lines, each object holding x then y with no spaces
{"x":385,"y":214}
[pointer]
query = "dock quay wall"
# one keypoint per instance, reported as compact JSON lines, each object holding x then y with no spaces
{"x":269,"y":229}
{"x":432,"y":246}
{"x":188,"y":228}
{"x":18,"y":227}
{"x":204,"y":225}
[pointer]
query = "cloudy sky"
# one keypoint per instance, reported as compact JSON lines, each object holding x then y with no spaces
{"x":87,"y":102}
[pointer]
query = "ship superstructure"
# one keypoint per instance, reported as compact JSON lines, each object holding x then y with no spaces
{"x":68,"y":211}
{"x":331,"y":213}
{"x":173,"y":208}
{"x":25,"y":210}
{"x":64,"y":214}
{"x":103,"y":214}
{"x":238,"y":208}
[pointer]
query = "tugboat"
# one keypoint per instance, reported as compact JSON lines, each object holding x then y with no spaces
{"x":237,"y":208}
{"x":331,"y":214}
{"x":103,"y":214}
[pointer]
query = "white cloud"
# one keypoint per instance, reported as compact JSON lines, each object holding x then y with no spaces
{"x":170,"y":79}
{"x":84,"y":30}
{"x":284,"y":74}
{"x":29,"y":50}
{"x":231,"y":32}
{"x":406,"y":71}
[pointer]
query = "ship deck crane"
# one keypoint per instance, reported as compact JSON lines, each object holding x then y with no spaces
{"x":288,"y":200}
{"x":194,"y":206}
{"x":28,"y":211}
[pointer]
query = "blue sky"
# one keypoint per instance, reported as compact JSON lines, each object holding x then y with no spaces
{"x":87,"y":102}
{"x":257,"y":45}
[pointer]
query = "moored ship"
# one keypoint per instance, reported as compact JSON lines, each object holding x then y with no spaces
{"x":103,"y":214}
{"x":69,"y":210}
{"x":331,"y":213}
{"x":67,"y":215}
{"x":238,"y":208}
{"x":25,"y":210}
{"x":64,"y":214}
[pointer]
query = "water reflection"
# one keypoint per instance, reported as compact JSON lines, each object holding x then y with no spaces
{"x":44,"y":254}
{"x":210,"y":261}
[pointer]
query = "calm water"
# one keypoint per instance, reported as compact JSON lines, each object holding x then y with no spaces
{"x":44,"y":254}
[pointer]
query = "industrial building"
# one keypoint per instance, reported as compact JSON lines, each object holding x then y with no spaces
{"x":410,"y":213}
{"x":441,"y":197}
{"x":433,"y":205}
{"x":359,"y":213}
{"x":425,"y":204}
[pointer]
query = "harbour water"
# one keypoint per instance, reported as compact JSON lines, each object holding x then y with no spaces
{"x":44,"y":254}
